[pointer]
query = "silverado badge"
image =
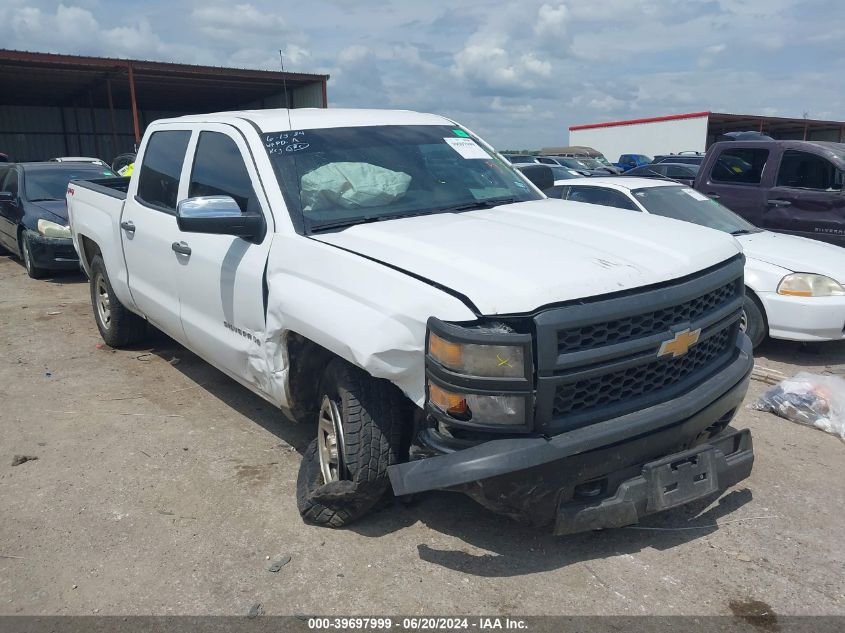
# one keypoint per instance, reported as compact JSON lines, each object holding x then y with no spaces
{"x":679,"y":345}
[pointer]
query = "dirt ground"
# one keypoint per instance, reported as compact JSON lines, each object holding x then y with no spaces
{"x":161,"y":487}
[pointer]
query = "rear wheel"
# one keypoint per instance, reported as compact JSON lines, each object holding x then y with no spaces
{"x":26,"y":255}
{"x":343,"y":473}
{"x":118,"y":326}
{"x":753,"y":321}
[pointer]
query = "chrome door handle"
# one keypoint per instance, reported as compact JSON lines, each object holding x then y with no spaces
{"x":779,"y":203}
{"x":128,"y":226}
{"x":181,"y":247}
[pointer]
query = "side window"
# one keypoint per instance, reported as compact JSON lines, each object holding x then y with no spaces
{"x":602,"y":196}
{"x":740,"y":165}
{"x":158,"y":180}
{"x":219,"y":170}
{"x":555,"y":192}
{"x":808,"y":171}
{"x":677,"y":172}
{"x":11,"y":184}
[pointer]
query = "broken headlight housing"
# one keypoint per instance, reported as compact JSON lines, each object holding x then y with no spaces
{"x":479,"y":377}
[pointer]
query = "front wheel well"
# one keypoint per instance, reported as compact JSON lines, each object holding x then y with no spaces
{"x":307,"y":361}
{"x":753,"y":296}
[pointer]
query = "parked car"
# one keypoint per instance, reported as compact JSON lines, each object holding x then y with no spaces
{"x":79,"y":159}
{"x":794,"y":286}
{"x":575,"y":164}
{"x":520,"y":159}
{"x":783,"y":186}
{"x":385,"y":278}
{"x":691,"y":158}
{"x":598,"y":166}
{"x":629,"y":161}
{"x":33,"y":213}
{"x":676,"y":171}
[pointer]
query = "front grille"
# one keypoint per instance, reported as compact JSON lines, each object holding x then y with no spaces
{"x":598,"y":359}
{"x":639,"y":325}
{"x":634,"y":382}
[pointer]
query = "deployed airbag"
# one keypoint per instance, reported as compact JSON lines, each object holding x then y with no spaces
{"x":351,"y":185}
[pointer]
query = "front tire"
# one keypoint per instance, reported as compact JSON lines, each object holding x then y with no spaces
{"x":753,"y":321}
{"x":26,"y":255}
{"x":118,"y":326}
{"x":343,"y":475}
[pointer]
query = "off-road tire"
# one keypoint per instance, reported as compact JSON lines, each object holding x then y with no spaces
{"x":372,"y":414}
{"x":26,"y":257}
{"x":124,"y":327}
{"x":756,"y":327}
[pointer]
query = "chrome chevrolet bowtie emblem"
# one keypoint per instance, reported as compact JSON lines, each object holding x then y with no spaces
{"x":679,"y":345}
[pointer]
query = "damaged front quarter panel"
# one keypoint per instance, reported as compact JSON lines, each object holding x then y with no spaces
{"x":332,"y":302}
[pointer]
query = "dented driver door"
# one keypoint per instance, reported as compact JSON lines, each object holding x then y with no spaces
{"x":221,"y":278}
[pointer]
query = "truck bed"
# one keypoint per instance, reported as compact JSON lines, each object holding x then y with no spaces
{"x":114,"y":187}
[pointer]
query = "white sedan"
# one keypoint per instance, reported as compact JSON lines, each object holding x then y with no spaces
{"x":794,"y":285}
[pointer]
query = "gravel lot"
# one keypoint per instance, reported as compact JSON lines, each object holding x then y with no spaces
{"x":161,"y":487}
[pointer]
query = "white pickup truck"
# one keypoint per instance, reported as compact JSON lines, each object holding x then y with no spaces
{"x":388,"y":278}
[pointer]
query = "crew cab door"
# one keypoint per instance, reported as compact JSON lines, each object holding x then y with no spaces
{"x":807,"y":198}
{"x":736,"y":179}
{"x":149,"y":232}
{"x":221,"y":280}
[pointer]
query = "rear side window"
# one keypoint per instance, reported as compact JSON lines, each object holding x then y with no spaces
{"x":219,"y":170}
{"x":808,"y":171}
{"x":158,"y":180}
{"x":602,"y":196}
{"x":674,"y":171}
{"x":740,"y":165}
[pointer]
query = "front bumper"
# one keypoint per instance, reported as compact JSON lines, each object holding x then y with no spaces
{"x":804,"y":318}
{"x":528,"y":478}
{"x":52,"y":253}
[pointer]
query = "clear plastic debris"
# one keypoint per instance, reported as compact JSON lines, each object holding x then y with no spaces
{"x":809,"y":399}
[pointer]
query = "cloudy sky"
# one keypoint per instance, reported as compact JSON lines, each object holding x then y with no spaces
{"x":516,"y":72}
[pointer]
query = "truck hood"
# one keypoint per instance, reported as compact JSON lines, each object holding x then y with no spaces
{"x":518,"y":257}
{"x":796,"y":254}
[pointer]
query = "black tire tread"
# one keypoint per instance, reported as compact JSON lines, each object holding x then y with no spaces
{"x":757,"y":328}
{"x":373,"y":412}
{"x":32,"y":270}
{"x":126,"y":327}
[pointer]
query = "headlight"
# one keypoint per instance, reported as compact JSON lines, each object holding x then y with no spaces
{"x":52,"y":229}
{"x":810,"y":285}
{"x":493,"y":361}
{"x":486,"y":409}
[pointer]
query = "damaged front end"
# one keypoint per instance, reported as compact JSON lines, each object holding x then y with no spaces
{"x":579,"y":417}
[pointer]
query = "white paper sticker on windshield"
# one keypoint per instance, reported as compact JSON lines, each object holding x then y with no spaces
{"x":467,"y":148}
{"x":694,"y":194}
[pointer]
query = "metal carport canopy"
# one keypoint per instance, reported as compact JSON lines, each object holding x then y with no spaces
{"x":46,"y":79}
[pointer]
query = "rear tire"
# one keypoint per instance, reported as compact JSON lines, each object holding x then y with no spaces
{"x":26,"y":256}
{"x":118,"y":326}
{"x":753,"y":321}
{"x":370,"y":413}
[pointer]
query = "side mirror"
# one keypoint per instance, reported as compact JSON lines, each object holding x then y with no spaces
{"x":6,"y":196}
{"x":540,"y":175}
{"x":220,"y":215}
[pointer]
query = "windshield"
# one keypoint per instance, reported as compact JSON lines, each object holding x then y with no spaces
{"x":683,"y":203}
{"x":50,"y":183}
{"x":337,"y":177}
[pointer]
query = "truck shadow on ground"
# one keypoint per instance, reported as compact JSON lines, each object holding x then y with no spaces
{"x":513,"y":549}
{"x":232,"y":394}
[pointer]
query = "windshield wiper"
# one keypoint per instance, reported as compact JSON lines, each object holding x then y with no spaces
{"x":478,"y":204}
{"x":468,"y":206}
{"x":45,"y":199}
{"x":741,"y":232}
